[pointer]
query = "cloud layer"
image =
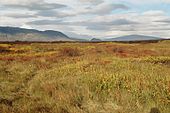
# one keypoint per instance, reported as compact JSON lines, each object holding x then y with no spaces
{"x":89,"y":18}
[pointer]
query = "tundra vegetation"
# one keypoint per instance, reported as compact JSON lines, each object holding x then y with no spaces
{"x":84,"y":77}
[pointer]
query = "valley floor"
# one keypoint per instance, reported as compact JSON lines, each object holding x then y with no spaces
{"x":84,"y":77}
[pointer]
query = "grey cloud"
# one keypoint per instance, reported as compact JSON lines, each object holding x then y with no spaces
{"x":36,"y":6}
{"x":117,"y":6}
{"x":163,"y":29}
{"x":17,"y":15}
{"x":123,"y":22}
{"x":94,"y":2}
{"x":101,"y":26}
{"x":118,"y":22}
{"x":84,"y":23}
{"x":53,"y":13}
{"x":105,"y":26}
{"x":45,"y":22}
{"x":104,"y":9}
{"x":130,"y":27}
{"x":166,"y":21}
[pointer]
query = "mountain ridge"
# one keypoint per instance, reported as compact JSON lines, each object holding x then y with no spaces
{"x":23,"y":34}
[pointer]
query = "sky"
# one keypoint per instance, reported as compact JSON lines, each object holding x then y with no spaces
{"x":89,"y":18}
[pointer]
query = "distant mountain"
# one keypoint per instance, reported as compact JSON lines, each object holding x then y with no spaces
{"x":134,"y":38}
{"x":95,"y":40}
{"x":22,"y":34}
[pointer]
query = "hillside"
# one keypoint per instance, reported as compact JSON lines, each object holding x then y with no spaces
{"x":134,"y":38}
{"x":95,"y":40}
{"x":21,"y":34}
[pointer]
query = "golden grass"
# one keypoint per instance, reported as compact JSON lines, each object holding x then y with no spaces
{"x":85,"y":78}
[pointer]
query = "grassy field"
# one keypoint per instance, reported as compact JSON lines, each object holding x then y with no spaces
{"x":84,"y":77}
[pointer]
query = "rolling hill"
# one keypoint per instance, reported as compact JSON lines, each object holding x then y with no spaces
{"x":95,"y":40}
{"x":134,"y":38}
{"x":22,"y":34}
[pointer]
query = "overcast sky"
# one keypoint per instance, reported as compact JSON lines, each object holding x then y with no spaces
{"x":89,"y":18}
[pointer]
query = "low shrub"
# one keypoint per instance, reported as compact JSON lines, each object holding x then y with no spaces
{"x":4,"y":50}
{"x":71,"y":52}
{"x":158,"y":60}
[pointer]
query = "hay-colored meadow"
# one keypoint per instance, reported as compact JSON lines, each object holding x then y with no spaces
{"x":84,"y":77}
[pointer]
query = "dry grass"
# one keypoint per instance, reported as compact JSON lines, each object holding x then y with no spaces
{"x":85,"y":78}
{"x":70,"y":52}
